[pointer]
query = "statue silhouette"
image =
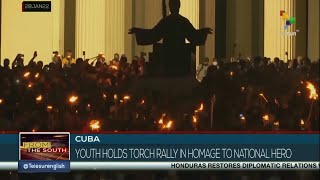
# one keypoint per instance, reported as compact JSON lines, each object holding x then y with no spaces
{"x":173,"y":57}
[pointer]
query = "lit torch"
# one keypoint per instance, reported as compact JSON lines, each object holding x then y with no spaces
{"x":265,"y":99}
{"x":302,"y":124}
{"x":276,"y":125}
{"x":36,"y":76}
{"x":26,"y":75}
{"x":195,"y":121}
{"x":1,"y":101}
{"x":39,"y":98}
{"x":169,"y":125}
{"x":95,"y":125}
{"x":73,"y":99}
{"x":313,"y":97}
{"x":266,"y":119}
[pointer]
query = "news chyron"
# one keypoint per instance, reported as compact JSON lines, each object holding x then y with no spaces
{"x":36,"y":6}
{"x":44,"y":152}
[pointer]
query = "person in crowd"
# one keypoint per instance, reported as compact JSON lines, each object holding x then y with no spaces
{"x":68,"y":60}
{"x":101,"y":58}
{"x":202,"y":69}
{"x":115,"y":59}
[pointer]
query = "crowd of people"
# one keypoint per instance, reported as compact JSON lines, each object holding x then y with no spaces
{"x":238,"y":94}
{"x":69,"y":94}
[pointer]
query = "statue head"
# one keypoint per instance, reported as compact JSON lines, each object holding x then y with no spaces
{"x":174,"y":6}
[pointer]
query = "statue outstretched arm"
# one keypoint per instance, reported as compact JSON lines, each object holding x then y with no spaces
{"x":197,"y":37}
{"x":147,"y":36}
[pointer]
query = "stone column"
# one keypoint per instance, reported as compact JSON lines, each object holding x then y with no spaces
{"x":314,"y":29}
{"x":115,"y":27}
{"x":277,"y":42}
{"x":207,"y":19}
{"x":91,"y":27}
{"x":190,"y":10}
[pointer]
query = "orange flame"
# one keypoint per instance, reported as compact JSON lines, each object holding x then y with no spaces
{"x":169,"y":125}
{"x":302,"y":122}
{"x":266,"y":117}
{"x":313,"y":93}
{"x":49,"y":108}
{"x":37,"y":75}
{"x":201,"y":107}
{"x":262,"y":95}
{"x":194,"y":119}
{"x":114,"y":67}
{"x":95,"y":124}
{"x":161,"y":119}
{"x":26,"y":74}
{"x":1,"y":101}
{"x":126,"y":97}
{"x":39,"y":98}
{"x":73,"y":99}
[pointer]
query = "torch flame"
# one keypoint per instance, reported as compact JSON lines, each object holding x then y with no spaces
{"x":201,"y":107}
{"x":313,"y":93}
{"x":114,"y":67}
{"x":73,"y":99}
{"x":104,"y":96}
{"x":37,"y":75}
{"x":115,"y":97}
{"x":39,"y":98}
{"x":168,"y":126}
{"x":262,"y":95}
{"x":49,"y":107}
{"x":126,"y":97}
{"x":95,"y":125}
{"x":266,"y":117}
{"x":161,"y":119}
{"x":26,"y":74}
{"x":194,"y":119}
{"x":29,"y":85}
{"x":302,"y":122}
{"x":1,"y":101}
{"x":142,"y":102}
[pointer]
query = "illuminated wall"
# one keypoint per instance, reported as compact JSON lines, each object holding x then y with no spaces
{"x":276,"y":43}
{"x":25,"y":32}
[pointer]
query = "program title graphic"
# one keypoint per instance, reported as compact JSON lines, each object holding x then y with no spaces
{"x":44,"y":152}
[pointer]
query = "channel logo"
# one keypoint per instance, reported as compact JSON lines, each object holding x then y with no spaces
{"x":288,"y":20}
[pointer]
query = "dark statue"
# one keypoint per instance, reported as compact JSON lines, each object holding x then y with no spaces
{"x":173,"y":57}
